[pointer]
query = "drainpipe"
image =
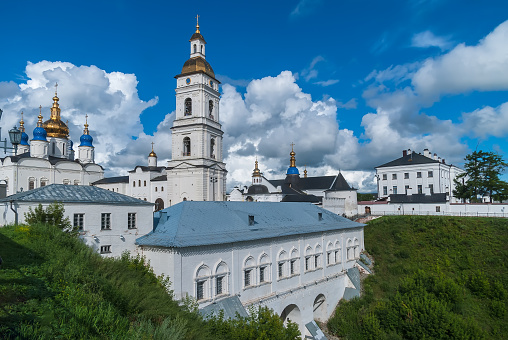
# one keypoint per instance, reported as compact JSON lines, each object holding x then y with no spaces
{"x":15,"y":213}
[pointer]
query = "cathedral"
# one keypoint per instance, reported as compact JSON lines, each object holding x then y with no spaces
{"x":196,"y":171}
{"x":49,"y":157}
{"x":332,"y":193}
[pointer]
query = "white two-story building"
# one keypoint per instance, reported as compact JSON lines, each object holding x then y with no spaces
{"x":291,"y":257}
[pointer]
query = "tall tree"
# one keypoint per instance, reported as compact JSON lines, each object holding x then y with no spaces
{"x":481,"y":177}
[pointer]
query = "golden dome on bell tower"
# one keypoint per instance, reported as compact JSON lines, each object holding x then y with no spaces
{"x":54,"y":126}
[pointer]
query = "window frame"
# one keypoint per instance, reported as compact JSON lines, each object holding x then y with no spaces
{"x":79,"y":221}
{"x":106,"y":249}
{"x":132,"y":221}
{"x":105,"y":221}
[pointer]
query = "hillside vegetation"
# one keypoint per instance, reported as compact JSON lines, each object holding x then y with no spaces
{"x":435,"y":278}
{"x":53,"y":286}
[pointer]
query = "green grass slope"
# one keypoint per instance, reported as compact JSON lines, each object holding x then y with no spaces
{"x":53,"y":286}
{"x":435,"y":278}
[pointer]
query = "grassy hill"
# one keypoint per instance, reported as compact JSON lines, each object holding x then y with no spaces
{"x":435,"y":278}
{"x":53,"y":286}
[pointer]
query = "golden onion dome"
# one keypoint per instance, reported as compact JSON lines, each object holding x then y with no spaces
{"x":54,"y":126}
{"x":197,"y":65}
{"x":256,"y":172}
{"x":152,"y":154}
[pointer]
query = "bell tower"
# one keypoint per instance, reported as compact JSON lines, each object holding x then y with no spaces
{"x":196,"y":170}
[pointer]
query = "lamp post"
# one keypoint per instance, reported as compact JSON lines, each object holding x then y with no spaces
{"x":15,"y":137}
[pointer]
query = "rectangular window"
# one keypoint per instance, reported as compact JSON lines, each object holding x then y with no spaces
{"x":394,"y":176}
{"x":438,"y":208}
{"x":384,"y":177}
{"x":281,"y":269}
{"x":420,"y":189}
{"x":406,"y":175}
{"x":395,"y":189}
{"x":134,"y":183}
{"x":406,"y":188}
{"x":78,"y":221}
{"x":218,"y":285}
{"x":431,"y":174}
{"x":246,"y":279}
{"x":131,"y":220}
{"x":105,"y":221}
{"x":262,"y":274}
{"x":385,"y":191}
{"x":292,"y":267}
{"x":43,"y":183}
{"x":431,"y":187}
{"x":31,"y":185}
{"x":418,"y":174}
{"x":200,"y":290}
{"x":307,"y":263}
{"x":144,"y":182}
{"x":105,"y":249}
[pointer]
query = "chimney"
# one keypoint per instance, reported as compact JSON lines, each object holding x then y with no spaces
{"x":435,"y":156}
{"x":404,"y":153}
{"x":408,"y":151}
{"x":427,"y":153}
{"x":439,"y":159}
{"x":444,"y":161}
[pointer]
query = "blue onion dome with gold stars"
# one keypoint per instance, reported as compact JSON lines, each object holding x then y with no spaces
{"x":292,"y":170}
{"x":39,"y":132}
{"x":54,"y":126}
{"x":24,"y":136}
{"x":86,"y":139}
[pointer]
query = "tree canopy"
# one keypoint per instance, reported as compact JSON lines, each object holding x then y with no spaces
{"x":482,"y":177}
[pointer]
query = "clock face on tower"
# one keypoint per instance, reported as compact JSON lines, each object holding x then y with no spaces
{"x":187,"y":81}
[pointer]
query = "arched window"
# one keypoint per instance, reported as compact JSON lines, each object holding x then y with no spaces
{"x":221,"y":279}
{"x":308,"y":255}
{"x":264,"y":268}
{"x":159,"y":204}
{"x":31,"y":183}
{"x":338,"y":257}
{"x":195,"y":48}
{"x":248,"y":272}
{"x":202,"y":282}
{"x":134,"y":183}
{"x":356,"y":248}
{"x":350,"y":250}
{"x":44,"y":181}
{"x":186,"y":146}
{"x":281,"y":264}
{"x":139,"y":182}
{"x":155,"y":189}
{"x":317,"y":257}
{"x":201,"y":48}
{"x":210,"y":108}
{"x":188,"y":107}
{"x":293,"y":262}
{"x":330,"y":255}
{"x":212,"y":148}
{"x":185,"y":198}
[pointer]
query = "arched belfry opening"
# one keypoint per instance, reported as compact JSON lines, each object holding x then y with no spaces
{"x":186,"y":146}
{"x":188,"y":107}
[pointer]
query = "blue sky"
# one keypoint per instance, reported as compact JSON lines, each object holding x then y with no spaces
{"x":351,"y":83}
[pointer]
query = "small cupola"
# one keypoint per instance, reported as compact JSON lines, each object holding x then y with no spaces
{"x":152,"y":158}
{"x":197,"y":42}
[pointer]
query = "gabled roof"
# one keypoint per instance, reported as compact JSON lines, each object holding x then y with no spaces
{"x":112,"y":180}
{"x":337,"y":183}
{"x":149,"y":168}
{"x":84,"y":194}
{"x":188,"y":224}
{"x":159,"y":178}
{"x":410,"y":159}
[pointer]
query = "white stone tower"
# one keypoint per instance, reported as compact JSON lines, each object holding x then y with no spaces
{"x":196,"y":171}
{"x":152,"y":158}
{"x":86,"y":150}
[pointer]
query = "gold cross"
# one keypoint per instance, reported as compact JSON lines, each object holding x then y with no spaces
{"x":86,"y":118}
{"x":152,"y":146}
{"x":292,"y":144}
{"x":197,"y":19}
{"x":56,"y":88}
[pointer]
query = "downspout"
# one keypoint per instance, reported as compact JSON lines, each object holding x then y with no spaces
{"x":15,"y":213}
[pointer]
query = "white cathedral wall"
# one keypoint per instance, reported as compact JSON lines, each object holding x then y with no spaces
{"x":182,"y":265}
